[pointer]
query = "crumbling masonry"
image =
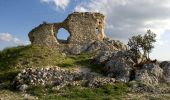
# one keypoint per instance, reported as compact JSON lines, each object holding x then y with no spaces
{"x":84,"y":28}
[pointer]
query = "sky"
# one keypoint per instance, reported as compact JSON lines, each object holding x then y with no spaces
{"x":124,"y":18}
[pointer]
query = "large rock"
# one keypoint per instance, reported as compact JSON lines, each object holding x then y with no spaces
{"x":105,"y":49}
{"x":166,"y":71}
{"x":120,"y":66}
{"x":103,"y":57}
{"x":99,"y":47}
{"x":115,"y":44}
{"x":150,"y":74}
{"x":78,"y":49}
{"x":107,"y":45}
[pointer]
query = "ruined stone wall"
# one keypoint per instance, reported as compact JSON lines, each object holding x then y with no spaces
{"x":43,"y":34}
{"x":82,"y":27}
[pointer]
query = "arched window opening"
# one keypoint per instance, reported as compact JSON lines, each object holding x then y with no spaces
{"x":63,"y":36}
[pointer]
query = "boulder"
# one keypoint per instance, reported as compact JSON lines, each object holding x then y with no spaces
{"x":115,"y":44}
{"x":94,"y":46}
{"x":78,"y":49}
{"x":103,"y":57}
{"x":150,"y":74}
{"x":120,"y":66}
{"x":98,"y":47}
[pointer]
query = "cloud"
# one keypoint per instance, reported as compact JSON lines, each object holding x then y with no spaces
{"x":6,"y":37}
{"x":125,"y":18}
{"x":61,"y":4}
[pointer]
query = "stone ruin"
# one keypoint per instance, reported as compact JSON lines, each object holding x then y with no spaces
{"x":84,"y":28}
{"x":87,"y":32}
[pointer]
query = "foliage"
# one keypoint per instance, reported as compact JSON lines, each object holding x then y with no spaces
{"x":142,"y":44}
{"x":148,"y":41}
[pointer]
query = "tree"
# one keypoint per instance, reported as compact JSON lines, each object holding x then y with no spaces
{"x":135,"y":44}
{"x":148,"y":40}
{"x":142,"y":45}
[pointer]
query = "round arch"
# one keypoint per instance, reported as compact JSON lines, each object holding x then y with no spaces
{"x":62,"y":35}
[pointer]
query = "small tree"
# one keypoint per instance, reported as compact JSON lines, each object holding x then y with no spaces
{"x":134,"y":44}
{"x":147,"y":45}
{"x":142,"y":44}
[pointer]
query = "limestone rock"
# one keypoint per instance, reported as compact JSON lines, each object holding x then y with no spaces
{"x":100,"y":81}
{"x":120,"y":66}
{"x":95,"y":46}
{"x":115,"y":44}
{"x":103,"y":57}
{"x":78,"y":49}
{"x":23,"y":87}
{"x":166,"y":71}
{"x":57,"y":77}
{"x":149,"y":74}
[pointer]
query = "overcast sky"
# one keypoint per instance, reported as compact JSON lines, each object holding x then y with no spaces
{"x":124,"y":18}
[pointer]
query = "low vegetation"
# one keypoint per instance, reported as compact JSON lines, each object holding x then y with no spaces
{"x":109,"y":92}
{"x":26,"y":56}
{"x":13,"y":60}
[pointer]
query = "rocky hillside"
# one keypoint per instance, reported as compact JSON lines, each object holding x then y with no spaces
{"x":104,"y":69}
{"x":86,"y":66}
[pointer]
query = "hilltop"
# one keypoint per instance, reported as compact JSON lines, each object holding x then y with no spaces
{"x":87,"y":65}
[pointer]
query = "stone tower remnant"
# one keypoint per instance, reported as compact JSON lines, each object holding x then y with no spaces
{"x":82,"y":27}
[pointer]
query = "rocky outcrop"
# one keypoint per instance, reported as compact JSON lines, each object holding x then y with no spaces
{"x":58,"y":77}
{"x":149,"y":74}
{"x":120,"y":66}
{"x":166,"y":71}
{"x":139,"y":87}
{"x":99,"y":47}
{"x":103,"y":57}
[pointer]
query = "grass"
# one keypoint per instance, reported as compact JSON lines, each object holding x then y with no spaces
{"x":10,"y":95}
{"x":81,"y":59}
{"x":84,"y":59}
{"x":37,"y":56}
{"x":13,"y":60}
{"x":28,"y":56}
{"x":8,"y":75}
{"x":108,"y":92}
